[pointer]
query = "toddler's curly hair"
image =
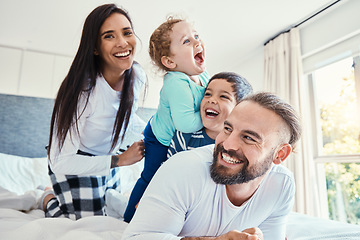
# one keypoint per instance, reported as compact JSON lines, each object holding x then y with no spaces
{"x":159,"y":44}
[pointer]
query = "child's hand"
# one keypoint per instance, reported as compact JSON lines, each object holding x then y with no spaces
{"x":132,"y":155}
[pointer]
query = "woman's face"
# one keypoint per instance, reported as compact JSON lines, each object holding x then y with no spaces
{"x":116,"y":44}
{"x":219,"y":100}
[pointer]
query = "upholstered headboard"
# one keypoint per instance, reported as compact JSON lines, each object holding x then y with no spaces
{"x":25,"y":124}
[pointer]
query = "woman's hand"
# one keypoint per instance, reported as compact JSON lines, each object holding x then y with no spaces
{"x":132,"y":155}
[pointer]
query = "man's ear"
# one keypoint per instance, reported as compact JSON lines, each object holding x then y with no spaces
{"x":282,"y":153}
{"x":168,"y":62}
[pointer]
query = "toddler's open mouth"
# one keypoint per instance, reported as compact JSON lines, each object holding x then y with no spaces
{"x":199,"y":57}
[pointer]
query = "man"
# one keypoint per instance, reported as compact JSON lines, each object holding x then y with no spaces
{"x":236,"y":191}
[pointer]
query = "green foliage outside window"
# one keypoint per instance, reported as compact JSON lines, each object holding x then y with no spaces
{"x":341,"y":135}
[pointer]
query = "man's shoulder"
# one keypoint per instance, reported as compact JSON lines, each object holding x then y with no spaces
{"x":282,"y":170}
{"x":282,"y":177}
{"x":200,"y":156}
{"x":190,"y":166}
{"x":203,"y":153}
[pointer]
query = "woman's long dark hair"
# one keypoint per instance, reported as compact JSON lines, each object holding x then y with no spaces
{"x":81,"y":79}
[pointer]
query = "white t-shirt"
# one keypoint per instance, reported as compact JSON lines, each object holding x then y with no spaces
{"x":182,"y":201}
{"x":95,"y":127}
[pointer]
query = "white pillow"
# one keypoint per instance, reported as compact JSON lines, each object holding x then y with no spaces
{"x":22,"y":174}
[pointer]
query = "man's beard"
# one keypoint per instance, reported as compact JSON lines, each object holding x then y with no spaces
{"x":245,"y":174}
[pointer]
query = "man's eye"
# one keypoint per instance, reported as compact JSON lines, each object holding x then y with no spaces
{"x":249,"y":138}
{"x":227,"y":129}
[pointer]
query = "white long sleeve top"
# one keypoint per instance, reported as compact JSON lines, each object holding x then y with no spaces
{"x":182,"y":200}
{"x":95,"y":125}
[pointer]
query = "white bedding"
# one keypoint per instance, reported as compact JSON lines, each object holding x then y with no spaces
{"x":303,"y":227}
{"x":18,"y":225}
{"x":20,"y":181}
{"x":19,"y":219}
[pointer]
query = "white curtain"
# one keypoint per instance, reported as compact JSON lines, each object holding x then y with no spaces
{"x":284,"y":77}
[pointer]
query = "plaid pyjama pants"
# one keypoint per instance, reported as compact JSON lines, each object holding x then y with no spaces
{"x":80,"y":196}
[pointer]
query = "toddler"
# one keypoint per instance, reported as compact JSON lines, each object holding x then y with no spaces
{"x":176,"y":48}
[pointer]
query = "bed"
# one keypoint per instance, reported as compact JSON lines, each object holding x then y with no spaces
{"x":24,"y":124}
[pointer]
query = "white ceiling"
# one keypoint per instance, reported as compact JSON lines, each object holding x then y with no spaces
{"x":232,"y":29}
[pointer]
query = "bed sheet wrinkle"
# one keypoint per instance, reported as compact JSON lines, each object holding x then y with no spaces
{"x":15,"y":225}
{"x":22,"y":174}
{"x":23,"y":202}
{"x":304,"y":227}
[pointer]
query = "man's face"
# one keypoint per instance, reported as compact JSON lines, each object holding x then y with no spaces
{"x":246,"y":173}
{"x":246,"y":147}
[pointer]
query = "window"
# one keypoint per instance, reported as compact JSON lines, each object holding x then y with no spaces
{"x":335,"y":92}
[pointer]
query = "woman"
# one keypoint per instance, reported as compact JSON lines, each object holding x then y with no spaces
{"x":92,"y":111}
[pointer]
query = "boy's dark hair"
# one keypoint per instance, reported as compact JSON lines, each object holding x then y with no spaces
{"x":240,"y":85}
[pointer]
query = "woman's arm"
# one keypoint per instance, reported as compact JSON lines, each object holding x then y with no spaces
{"x":132,"y":155}
{"x":66,"y":161}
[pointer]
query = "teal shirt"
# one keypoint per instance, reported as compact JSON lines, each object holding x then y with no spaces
{"x":179,"y":107}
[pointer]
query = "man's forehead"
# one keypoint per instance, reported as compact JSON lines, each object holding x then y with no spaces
{"x":252,"y":113}
{"x":251,"y":118}
{"x":244,"y":106}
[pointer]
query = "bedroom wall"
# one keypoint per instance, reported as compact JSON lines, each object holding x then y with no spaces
{"x":39,"y":74}
{"x":252,"y":68}
{"x":337,"y":27}
{"x":34,"y":73}
{"x":31,"y":73}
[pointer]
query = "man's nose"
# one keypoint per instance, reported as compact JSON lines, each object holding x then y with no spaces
{"x":232,"y":142}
